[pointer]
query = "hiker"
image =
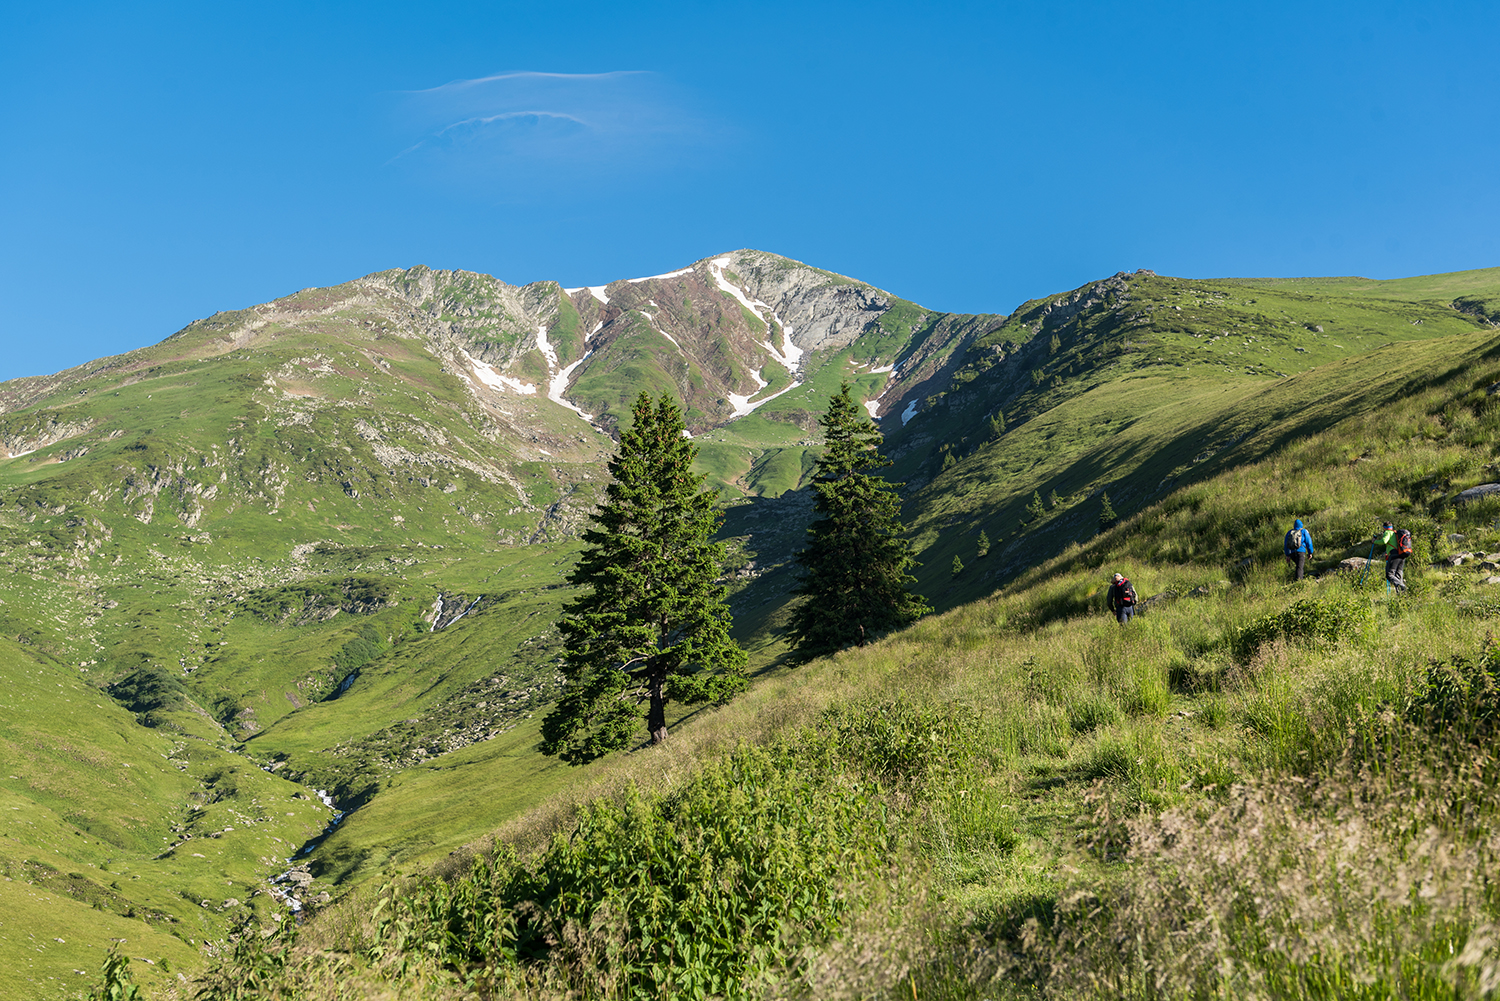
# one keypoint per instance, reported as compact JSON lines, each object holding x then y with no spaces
{"x":1298,"y":547}
{"x":1396,"y":543}
{"x":1122,"y":598}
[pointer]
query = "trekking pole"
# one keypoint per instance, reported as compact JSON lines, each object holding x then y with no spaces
{"x":1366,"y":570}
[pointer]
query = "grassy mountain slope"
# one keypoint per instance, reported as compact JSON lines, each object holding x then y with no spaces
{"x":1134,"y":386}
{"x":1269,"y":789}
{"x":320,"y":541}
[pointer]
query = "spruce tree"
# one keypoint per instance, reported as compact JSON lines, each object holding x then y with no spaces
{"x":1107,"y":515}
{"x":856,"y":566}
{"x":1035,"y":508}
{"x":652,"y":626}
{"x":958,"y":566}
{"x":983,"y":547}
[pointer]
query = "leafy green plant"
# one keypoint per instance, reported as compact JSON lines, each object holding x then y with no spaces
{"x":1307,"y":619}
{"x":1461,"y":695}
{"x":115,"y":980}
{"x":696,"y":893}
{"x":254,"y":964}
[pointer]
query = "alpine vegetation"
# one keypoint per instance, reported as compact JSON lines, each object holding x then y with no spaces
{"x":652,"y":626}
{"x":856,"y":567}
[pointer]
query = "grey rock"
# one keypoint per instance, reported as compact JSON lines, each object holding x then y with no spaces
{"x":1478,"y":493}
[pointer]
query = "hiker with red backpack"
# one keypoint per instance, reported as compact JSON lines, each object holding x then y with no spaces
{"x":1397,"y":543}
{"x":1297,"y":546}
{"x":1122,"y":598}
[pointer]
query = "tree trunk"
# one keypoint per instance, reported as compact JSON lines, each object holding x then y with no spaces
{"x":656,"y":719}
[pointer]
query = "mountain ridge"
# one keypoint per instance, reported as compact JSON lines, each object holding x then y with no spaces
{"x":341,"y":534}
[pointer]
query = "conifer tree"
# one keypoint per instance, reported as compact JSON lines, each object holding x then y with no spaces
{"x":856,"y":566}
{"x":652,"y":626}
{"x":1107,"y":516}
{"x":958,"y":566}
{"x":1035,"y":508}
{"x":983,"y":548}
{"x":997,"y":425}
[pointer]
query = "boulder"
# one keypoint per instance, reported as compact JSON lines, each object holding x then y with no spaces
{"x":1156,"y":599}
{"x":1491,"y":580}
{"x":1478,"y":493}
{"x":1355,"y":563}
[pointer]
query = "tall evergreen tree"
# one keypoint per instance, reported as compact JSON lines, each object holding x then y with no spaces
{"x":652,"y":626}
{"x":856,"y":566}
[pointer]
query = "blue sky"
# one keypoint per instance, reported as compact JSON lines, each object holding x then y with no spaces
{"x":164,"y":161}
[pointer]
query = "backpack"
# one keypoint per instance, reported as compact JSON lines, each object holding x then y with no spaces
{"x":1403,"y":543}
{"x":1293,"y":543}
{"x":1127,"y":593}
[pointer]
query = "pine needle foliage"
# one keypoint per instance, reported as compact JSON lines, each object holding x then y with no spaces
{"x":652,"y":626}
{"x":856,"y":568}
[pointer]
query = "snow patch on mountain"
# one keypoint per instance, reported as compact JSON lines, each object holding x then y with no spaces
{"x":788,"y":354}
{"x":490,"y":376}
{"x":742,"y":404}
{"x":557,"y":383}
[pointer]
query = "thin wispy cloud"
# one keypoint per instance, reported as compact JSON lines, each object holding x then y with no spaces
{"x":515,"y":131}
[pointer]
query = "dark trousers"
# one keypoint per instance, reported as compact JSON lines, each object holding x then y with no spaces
{"x":1124,"y":613}
{"x":1393,"y":567}
{"x":1298,"y":562}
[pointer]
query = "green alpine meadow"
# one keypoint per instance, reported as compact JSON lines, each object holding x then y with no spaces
{"x":741,"y":632}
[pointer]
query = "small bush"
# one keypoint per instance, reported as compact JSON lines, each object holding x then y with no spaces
{"x":1461,"y":696}
{"x":698,"y":893}
{"x":1309,"y":619}
{"x":899,"y":739}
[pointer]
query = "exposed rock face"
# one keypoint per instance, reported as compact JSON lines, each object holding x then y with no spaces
{"x":822,"y":309}
{"x":38,"y":430}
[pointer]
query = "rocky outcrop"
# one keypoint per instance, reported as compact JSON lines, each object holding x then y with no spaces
{"x":822,"y":309}
{"x":25,"y":434}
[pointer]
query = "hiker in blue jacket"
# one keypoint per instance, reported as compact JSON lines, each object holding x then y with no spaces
{"x":1298,"y":547}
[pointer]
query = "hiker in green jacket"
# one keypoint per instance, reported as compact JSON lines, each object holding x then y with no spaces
{"x":1395,"y":545}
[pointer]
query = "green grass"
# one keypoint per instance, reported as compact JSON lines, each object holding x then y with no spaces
{"x":1039,"y":763}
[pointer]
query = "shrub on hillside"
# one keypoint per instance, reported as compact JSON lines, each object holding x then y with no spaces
{"x":1310,"y":619}
{"x":698,"y":893}
{"x":147,"y":691}
{"x":1461,"y":696}
{"x":898,"y":739}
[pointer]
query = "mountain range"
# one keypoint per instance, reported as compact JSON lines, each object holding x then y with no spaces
{"x":282,"y":593}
